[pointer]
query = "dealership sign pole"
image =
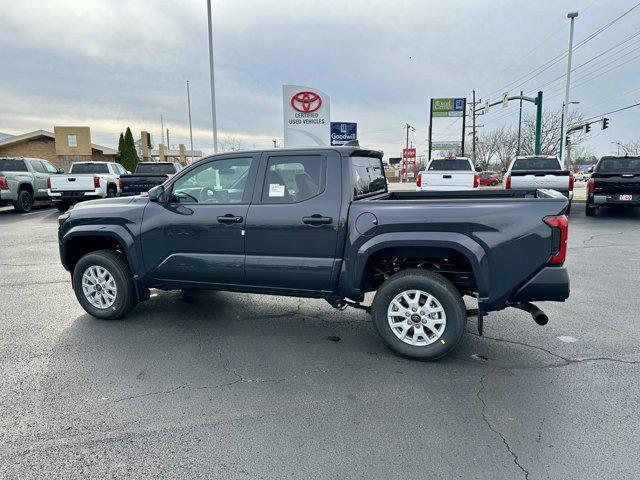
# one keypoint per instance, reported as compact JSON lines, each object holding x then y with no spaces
{"x":446,"y":107}
{"x":306,"y":116}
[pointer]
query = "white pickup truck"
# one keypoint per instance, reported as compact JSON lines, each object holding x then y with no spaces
{"x":85,"y":181}
{"x":446,"y":174}
{"x":533,"y":172}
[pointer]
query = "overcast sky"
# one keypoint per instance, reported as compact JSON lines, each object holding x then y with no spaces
{"x":112,"y":64}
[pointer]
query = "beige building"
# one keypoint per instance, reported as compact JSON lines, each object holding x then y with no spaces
{"x":61,"y":148}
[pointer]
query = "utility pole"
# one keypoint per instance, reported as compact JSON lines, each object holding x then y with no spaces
{"x":190,"y":127}
{"x":213,"y":90}
{"x":519,"y":124}
{"x":571,"y":16}
{"x":473,"y":137}
{"x":404,"y":160}
{"x":162,"y":127}
{"x":168,"y":138}
{"x":275,"y":143}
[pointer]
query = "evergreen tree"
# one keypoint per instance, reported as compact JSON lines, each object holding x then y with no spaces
{"x":120,"y":147}
{"x":128,"y":155}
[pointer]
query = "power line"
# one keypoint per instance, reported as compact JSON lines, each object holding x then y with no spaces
{"x":613,"y":111}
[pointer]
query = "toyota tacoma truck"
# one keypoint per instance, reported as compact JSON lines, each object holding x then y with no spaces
{"x":147,"y":176}
{"x":615,"y":181}
{"x":448,"y":174}
{"x":23,"y":181}
{"x":537,"y":171}
{"x":85,"y":181}
{"x":321,"y":223}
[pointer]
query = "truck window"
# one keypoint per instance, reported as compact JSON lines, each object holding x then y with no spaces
{"x":450,"y":165}
{"x":367,"y":176}
{"x":80,"y":168}
{"x":293,"y":179}
{"x":38,"y":166}
{"x":12,"y":165}
{"x":156,"y":168}
{"x":617,"y":164}
{"x":217,"y":182}
{"x":49,"y":168}
{"x":536,"y":164}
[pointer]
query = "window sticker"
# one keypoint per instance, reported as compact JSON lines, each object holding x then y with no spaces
{"x":276,"y":190}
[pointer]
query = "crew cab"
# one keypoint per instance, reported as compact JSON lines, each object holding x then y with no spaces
{"x":448,"y":174}
{"x":539,"y":172}
{"x":23,"y":181}
{"x":85,"y":181}
{"x":146,"y":176}
{"x":615,"y":181}
{"x":320,"y":223}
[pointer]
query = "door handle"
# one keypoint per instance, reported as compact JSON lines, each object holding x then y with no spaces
{"x":229,"y":218}
{"x":317,"y":220}
{"x":446,"y":176}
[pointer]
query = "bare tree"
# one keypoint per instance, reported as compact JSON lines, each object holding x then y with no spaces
{"x":230,"y":143}
{"x":550,"y":135}
{"x":631,"y":148}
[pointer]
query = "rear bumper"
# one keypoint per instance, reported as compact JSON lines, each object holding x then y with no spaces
{"x":551,"y":284}
{"x":7,"y":196}
{"x":76,"y":196}
{"x":612,"y":199}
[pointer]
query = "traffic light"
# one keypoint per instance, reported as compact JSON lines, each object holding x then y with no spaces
{"x":587,"y":127}
{"x":605,"y":123}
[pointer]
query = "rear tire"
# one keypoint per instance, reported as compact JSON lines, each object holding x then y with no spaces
{"x":24,"y":204}
{"x":435,"y":316}
{"x":62,"y":207}
{"x":590,"y":211}
{"x":118,"y":295}
{"x":112,"y":191}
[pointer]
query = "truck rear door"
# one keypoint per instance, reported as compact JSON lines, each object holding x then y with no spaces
{"x":533,"y":173}
{"x":448,"y":174}
{"x":292,"y":223}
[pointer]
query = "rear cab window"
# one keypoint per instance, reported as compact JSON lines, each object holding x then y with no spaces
{"x":80,"y":168}
{"x":536,"y":163}
{"x":12,"y":165}
{"x":367,"y":176}
{"x":156,"y":168}
{"x":617,"y":165}
{"x":450,"y":165}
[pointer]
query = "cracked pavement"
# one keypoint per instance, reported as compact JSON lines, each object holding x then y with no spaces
{"x":226,"y":385}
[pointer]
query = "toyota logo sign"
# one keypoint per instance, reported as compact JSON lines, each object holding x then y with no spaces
{"x":306,"y":102}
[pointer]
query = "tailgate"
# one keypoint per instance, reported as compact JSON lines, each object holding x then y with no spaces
{"x":622,"y":183}
{"x":140,"y":183}
{"x":540,"y":179}
{"x":448,"y":179}
{"x":72,"y":183}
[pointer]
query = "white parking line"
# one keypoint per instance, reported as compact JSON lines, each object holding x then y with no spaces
{"x":46,"y":210}
{"x":567,"y":339}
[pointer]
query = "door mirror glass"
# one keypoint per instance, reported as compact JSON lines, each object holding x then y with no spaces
{"x":504,"y":170}
{"x":155,"y":194}
{"x":590,"y":169}
{"x":478,"y":168}
{"x":60,"y":171}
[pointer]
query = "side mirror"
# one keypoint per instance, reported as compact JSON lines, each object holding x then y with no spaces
{"x":504,"y":170}
{"x":590,"y":169}
{"x":60,"y":170}
{"x":478,"y":169}
{"x":156,"y":193}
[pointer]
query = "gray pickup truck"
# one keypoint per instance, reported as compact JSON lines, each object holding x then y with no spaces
{"x":320,"y":223}
{"x":24,"y":180}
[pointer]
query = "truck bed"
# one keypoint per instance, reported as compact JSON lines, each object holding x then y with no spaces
{"x":472,"y":195}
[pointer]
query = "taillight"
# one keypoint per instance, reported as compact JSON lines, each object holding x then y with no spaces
{"x":120,"y":183}
{"x":560,"y":228}
{"x":419,"y":181}
{"x":3,"y":183}
{"x":49,"y":183}
{"x":590,"y":185}
{"x":507,"y":182}
{"x":571,"y":182}
{"x":96,"y":182}
{"x":476,"y":180}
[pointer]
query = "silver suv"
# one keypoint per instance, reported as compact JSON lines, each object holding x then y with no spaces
{"x":24,"y":180}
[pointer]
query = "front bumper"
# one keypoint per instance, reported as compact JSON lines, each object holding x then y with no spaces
{"x":551,"y":284}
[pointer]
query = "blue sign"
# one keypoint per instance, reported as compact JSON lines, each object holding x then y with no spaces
{"x":343,"y":132}
{"x":458,"y":104}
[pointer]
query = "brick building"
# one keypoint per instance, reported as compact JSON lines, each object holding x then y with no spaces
{"x":61,"y":148}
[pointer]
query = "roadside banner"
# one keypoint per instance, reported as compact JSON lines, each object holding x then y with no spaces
{"x":306,"y":114}
{"x":447,"y":145}
{"x":448,"y":107}
{"x":343,"y":132}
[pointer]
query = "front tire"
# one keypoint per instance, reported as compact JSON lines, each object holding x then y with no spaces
{"x":419,"y":314}
{"x":590,"y":211}
{"x":24,"y":204}
{"x":103,"y":285}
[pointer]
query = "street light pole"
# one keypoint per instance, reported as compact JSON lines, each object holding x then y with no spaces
{"x":565,"y":117}
{"x":190,"y":127}
{"x":213,"y":90}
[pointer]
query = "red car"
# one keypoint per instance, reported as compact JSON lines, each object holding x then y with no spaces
{"x":489,"y":178}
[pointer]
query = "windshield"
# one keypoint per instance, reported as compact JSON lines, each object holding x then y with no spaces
{"x":451,"y":165}
{"x":540,"y":163}
{"x":12,"y":165}
{"x":89,"y":168}
{"x":368,"y":176}
{"x":156,"y":168}
{"x":619,"y":164}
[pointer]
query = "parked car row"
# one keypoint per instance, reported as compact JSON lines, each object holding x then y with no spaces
{"x":615,"y":181}
{"x":26,"y":180}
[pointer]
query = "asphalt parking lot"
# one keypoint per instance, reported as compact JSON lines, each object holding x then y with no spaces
{"x":246,"y":386}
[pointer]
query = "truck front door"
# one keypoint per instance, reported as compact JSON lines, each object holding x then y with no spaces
{"x":292,"y":224}
{"x":196,"y":236}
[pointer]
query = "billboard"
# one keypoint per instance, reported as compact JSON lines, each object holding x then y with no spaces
{"x":448,"y":107}
{"x":343,"y":132}
{"x":306,"y":114}
{"x":447,"y":145}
